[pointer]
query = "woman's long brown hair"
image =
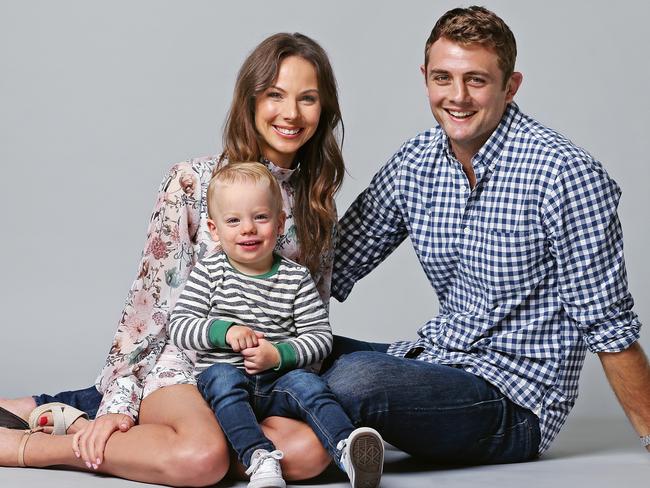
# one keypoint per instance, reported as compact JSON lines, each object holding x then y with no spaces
{"x":321,"y":162}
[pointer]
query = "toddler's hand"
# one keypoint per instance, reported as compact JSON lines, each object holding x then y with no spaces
{"x":240,"y":337}
{"x":264,"y":356}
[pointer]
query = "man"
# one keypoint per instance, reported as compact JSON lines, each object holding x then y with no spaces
{"x":517,"y":231}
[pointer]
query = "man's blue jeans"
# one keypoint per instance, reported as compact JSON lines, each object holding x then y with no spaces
{"x":440,"y":413}
{"x":240,"y":401}
{"x":443,"y":414}
{"x":86,"y":400}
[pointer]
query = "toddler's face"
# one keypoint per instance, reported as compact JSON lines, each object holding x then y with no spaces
{"x":246,"y":223}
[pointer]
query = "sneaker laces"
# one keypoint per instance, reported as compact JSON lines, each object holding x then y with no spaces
{"x":260,"y":463}
{"x":342,"y":444}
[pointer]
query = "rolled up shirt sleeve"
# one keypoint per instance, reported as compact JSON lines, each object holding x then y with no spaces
{"x":587,"y":241}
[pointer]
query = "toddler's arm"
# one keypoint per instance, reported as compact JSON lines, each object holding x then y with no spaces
{"x":314,"y":340}
{"x":190,"y":326}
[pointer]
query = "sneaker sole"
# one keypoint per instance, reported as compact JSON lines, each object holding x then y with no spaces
{"x":367,"y":457}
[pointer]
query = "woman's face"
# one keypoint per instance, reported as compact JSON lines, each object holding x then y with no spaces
{"x":287,"y":113}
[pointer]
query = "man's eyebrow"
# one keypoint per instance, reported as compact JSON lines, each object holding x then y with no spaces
{"x":484,"y":74}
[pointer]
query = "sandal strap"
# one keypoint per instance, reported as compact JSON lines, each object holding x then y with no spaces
{"x":63,"y":416}
{"x":23,"y":443}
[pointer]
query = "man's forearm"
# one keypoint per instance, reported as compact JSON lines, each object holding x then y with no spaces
{"x":628,"y":373}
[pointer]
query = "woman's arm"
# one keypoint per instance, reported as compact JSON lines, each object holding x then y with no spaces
{"x":167,"y":259}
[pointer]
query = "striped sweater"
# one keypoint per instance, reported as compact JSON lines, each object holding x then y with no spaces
{"x":282,"y":303}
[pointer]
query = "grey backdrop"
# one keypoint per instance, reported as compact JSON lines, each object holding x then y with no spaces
{"x":97,"y":99}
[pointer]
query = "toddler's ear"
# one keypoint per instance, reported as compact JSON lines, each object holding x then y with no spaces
{"x":282,"y":219}
{"x":212,"y":228}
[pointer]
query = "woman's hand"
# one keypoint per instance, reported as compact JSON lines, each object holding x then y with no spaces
{"x":240,"y":337}
{"x":264,"y":356}
{"x":89,"y":442}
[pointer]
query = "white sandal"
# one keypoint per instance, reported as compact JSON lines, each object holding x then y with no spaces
{"x":63,"y":415}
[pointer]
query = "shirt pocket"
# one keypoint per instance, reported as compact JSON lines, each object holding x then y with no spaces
{"x":503,"y":262}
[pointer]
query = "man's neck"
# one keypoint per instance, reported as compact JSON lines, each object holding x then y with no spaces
{"x":464,"y":157}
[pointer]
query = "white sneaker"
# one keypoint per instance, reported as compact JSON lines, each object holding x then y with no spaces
{"x":363,"y":457}
{"x":265,"y":470}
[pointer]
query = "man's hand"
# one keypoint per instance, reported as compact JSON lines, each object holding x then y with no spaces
{"x":89,"y":442}
{"x":264,"y":356}
{"x":240,"y":337}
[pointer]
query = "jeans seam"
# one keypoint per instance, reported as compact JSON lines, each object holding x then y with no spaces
{"x":506,"y":431}
{"x":435,"y":409}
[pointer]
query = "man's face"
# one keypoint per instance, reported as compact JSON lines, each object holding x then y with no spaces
{"x":466,"y":93}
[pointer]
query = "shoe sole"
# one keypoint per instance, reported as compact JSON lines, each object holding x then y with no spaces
{"x":367,"y":457}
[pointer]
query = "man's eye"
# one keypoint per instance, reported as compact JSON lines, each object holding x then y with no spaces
{"x":441,"y":78}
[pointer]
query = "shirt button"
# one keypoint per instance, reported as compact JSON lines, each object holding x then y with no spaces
{"x":467,"y":231}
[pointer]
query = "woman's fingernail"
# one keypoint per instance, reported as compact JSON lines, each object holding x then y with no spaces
{"x":76,"y":454}
{"x":94,"y":466}
{"x":42,"y":421}
{"x":98,"y":461}
{"x":88,"y":465}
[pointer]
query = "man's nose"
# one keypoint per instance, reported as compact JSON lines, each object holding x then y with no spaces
{"x":459,"y":92}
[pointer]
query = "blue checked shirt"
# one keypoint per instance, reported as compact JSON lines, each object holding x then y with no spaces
{"x":528,"y":266}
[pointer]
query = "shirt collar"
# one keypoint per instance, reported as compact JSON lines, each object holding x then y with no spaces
{"x":281,"y":174}
{"x":489,"y":152}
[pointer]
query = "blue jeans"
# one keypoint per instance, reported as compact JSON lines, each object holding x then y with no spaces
{"x":86,"y":400}
{"x":240,"y":400}
{"x":440,"y":413}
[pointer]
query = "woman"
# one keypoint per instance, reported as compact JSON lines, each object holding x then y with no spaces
{"x":284,"y":113}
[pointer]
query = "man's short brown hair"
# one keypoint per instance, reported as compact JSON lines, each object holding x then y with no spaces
{"x":477,"y":25}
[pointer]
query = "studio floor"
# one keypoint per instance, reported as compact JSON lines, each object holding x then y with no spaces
{"x":589,"y":452}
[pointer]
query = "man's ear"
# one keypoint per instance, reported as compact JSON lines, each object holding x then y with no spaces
{"x":423,"y":70}
{"x":513,"y":85}
{"x":212,"y":227}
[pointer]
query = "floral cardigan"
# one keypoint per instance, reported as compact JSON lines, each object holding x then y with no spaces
{"x":141,"y":358}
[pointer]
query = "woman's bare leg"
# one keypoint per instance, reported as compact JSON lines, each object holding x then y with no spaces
{"x":304,"y":455}
{"x":23,"y":406}
{"x":178,"y":442}
{"x":20,"y":406}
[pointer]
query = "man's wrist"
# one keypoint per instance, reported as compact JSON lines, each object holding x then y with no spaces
{"x":645,"y":441}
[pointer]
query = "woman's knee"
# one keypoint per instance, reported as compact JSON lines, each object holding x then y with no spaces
{"x":304,"y":455}
{"x":196,"y":462}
